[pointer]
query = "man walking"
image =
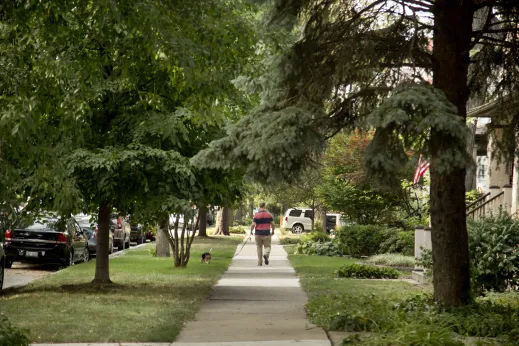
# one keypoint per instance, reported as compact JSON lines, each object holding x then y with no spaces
{"x":263,"y":223}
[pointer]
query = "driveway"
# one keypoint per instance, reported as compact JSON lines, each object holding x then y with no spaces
{"x":21,"y":274}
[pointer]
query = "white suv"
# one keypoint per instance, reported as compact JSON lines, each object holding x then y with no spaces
{"x":299,"y":220}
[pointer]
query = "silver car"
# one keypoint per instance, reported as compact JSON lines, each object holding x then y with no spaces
{"x":121,"y":231}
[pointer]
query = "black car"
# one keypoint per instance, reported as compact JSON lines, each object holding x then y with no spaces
{"x":46,"y":240}
{"x":138,"y":234}
{"x":91,"y":235}
{"x":2,"y":266}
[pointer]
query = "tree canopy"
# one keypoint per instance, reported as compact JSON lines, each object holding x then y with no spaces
{"x":105,"y":102}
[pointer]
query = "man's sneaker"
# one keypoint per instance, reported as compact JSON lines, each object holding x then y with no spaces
{"x":260,"y":264}
{"x":266,"y":259}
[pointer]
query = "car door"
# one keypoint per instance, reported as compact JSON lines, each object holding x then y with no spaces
{"x":76,"y":239}
{"x":82,"y":238}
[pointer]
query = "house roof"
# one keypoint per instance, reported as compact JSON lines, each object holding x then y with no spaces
{"x":509,"y":105}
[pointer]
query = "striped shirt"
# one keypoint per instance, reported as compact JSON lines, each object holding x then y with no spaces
{"x":262,"y":219}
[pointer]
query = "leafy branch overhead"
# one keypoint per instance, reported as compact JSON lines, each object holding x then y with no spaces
{"x":404,"y":122}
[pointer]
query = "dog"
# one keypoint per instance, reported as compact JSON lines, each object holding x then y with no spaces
{"x":206,"y":257}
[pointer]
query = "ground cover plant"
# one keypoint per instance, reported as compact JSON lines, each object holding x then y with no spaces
{"x":10,"y":336}
{"x":398,"y":313}
{"x":364,"y":271}
{"x":392,"y":260}
{"x":153,"y":301}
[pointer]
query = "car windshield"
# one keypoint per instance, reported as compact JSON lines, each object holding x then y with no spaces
{"x":41,"y":223}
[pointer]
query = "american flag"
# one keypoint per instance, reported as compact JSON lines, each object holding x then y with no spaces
{"x":423,"y":166}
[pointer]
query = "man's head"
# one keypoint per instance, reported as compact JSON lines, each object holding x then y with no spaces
{"x":262,"y":205}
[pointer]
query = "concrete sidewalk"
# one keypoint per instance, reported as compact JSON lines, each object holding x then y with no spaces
{"x":254,"y":305}
{"x":250,"y":306}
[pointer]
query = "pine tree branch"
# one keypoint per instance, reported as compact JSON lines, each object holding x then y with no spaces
{"x":479,"y":34}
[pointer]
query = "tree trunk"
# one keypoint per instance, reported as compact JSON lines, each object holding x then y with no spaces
{"x":202,"y":219}
{"x":161,"y":240}
{"x":218,"y":230}
{"x":321,"y":217}
{"x":223,"y":221}
{"x":102,"y":274}
{"x":452,"y":35}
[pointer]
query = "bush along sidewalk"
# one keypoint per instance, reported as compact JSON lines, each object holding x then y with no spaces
{"x":363,"y":271}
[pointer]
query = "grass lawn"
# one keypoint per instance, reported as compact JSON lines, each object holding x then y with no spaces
{"x":316,"y":274}
{"x":152,"y":304}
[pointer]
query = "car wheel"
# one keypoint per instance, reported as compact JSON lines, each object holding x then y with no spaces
{"x":120,"y":247}
{"x":70,"y":258}
{"x":1,"y":276}
{"x":298,"y":228}
{"x":86,"y":256}
{"x":8,"y":264}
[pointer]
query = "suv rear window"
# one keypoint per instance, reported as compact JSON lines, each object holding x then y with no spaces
{"x":295,"y":212}
{"x":309,"y":214}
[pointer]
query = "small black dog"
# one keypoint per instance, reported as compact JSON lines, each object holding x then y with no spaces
{"x":206,"y":257}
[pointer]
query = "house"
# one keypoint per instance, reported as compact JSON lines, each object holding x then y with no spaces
{"x":498,"y":179}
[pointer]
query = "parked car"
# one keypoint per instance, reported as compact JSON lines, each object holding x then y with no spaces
{"x":138,"y":234}
{"x":122,"y":231}
{"x":46,"y":240}
{"x":299,"y":220}
{"x":90,"y":231}
{"x":150,"y":234}
{"x":2,"y":266}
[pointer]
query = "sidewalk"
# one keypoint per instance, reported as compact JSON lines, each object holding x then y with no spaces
{"x":254,"y":305}
{"x":250,"y":306}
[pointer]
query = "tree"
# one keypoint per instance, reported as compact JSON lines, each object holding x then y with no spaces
{"x":118,"y":94}
{"x":348,"y":187}
{"x":368,"y":64}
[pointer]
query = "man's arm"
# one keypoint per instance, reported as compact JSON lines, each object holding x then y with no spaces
{"x":273,"y":226}
{"x":252,"y":226}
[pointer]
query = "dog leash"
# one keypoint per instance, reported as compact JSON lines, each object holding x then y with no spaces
{"x":244,"y":243}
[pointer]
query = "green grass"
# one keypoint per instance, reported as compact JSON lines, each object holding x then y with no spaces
{"x":152,"y":304}
{"x":316,"y":274}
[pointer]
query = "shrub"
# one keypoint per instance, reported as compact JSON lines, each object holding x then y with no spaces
{"x":392,"y":260}
{"x":494,"y":253}
{"x":309,"y":247}
{"x":361,"y":240}
{"x":426,"y":261}
{"x":245,"y":221}
{"x":10,"y":336}
{"x":363,"y":271}
{"x":288,"y":240}
{"x":237,"y":230}
{"x":153,"y":251}
{"x":398,"y":242}
{"x":314,"y":236}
